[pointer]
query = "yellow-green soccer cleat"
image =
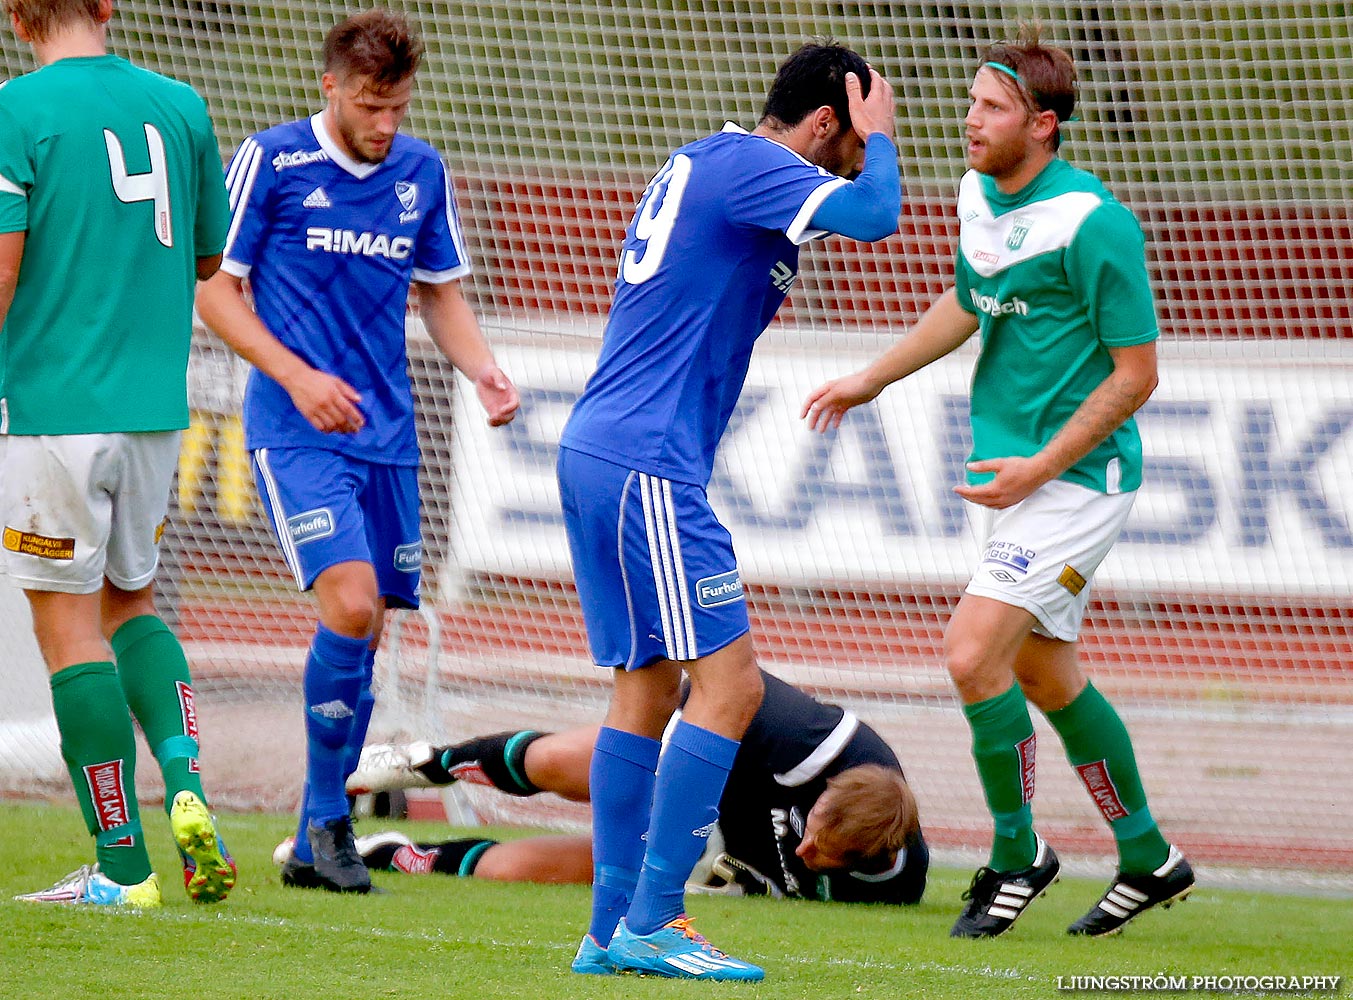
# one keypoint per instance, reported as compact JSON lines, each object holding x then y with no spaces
{"x":87,"y":886}
{"x":208,"y":868}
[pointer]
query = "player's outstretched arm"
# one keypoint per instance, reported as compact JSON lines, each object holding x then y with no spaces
{"x":329,"y":403}
{"x":454,"y":329}
{"x":943,"y":328}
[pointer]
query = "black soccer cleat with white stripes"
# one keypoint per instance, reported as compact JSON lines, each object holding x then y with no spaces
{"x":1131,"y":895}
{"x":997,"y":899}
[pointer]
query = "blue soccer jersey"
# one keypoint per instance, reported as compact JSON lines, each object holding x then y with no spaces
{"x":709,"y":257}
{"x":329,"y":246}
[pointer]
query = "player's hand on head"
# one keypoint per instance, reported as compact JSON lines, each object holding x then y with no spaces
{"x":1016,"y":478}
{"x":874,"y":113}
{"x":826,"y":406}
{"x":497,"y":395}
{"x":329,"y":403}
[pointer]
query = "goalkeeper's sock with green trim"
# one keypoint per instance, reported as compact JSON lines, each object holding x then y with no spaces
{"x":159,"y":690}
{"x":501,"y":757}
{"x":1003,"y":748}
{"x":1099,"y":748}
{"x":99,"y":746}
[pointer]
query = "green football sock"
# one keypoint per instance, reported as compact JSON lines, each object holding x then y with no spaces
{"x":1099,"y":748}
{"x":99,"y":746}
{"x":1003,"y":747}
{"x":159,"y":691}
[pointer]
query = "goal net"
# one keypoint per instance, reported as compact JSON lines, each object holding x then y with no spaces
{"x":1222,"y":625}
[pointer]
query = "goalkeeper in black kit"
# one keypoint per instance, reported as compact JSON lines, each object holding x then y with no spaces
{"x":816,"y":807}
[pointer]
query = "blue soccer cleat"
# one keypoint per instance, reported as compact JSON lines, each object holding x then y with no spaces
{"x":592,"y":959}
{"x":676,"y":951}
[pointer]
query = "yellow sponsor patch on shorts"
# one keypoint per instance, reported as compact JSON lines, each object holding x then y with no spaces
{"x":1071,"y":580}
{"x":29,"y":544}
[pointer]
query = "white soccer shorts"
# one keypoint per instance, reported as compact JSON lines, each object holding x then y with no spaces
{"x":78,"y":507}
{"x":1042,"y":553}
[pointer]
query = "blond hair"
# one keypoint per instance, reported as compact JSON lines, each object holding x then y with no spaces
{"x":869,"y":811}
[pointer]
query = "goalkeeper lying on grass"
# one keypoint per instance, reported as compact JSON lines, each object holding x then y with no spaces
{"x":816,"y":807}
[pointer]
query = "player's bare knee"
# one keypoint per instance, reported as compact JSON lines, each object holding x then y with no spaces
{"x":349,"y":612}
{"x":975,"y":675}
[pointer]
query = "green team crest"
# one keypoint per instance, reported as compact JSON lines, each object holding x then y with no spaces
{"x":1019,"y":229}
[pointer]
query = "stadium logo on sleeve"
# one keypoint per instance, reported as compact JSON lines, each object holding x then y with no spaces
{"x":409,"y":558}
{"x":715,"y":590}
{"x":311,"y":525}
{"x":407,"y":193}
{"x":44,"y":547}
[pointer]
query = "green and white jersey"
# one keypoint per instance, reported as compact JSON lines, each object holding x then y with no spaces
{"x":114,"y":174}
{"x":1056,"y":275}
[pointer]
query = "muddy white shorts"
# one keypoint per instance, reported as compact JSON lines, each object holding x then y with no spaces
{"x":1042,"y":553}
{"x":78,"y":507}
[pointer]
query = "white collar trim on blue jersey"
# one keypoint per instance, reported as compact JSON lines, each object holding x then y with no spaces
{"x":326,"y":143}
{"x":735,"y":127}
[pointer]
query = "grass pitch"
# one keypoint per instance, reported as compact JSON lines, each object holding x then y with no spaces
{"x":435,"y":936}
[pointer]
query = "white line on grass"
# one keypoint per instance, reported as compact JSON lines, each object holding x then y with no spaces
{"x":981,"y":972}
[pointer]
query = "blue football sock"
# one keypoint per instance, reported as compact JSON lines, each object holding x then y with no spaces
{"x":361,"y":721}
{"x":333,"y":684}
{"x":623,"y":766}
{"x":690,"y":782}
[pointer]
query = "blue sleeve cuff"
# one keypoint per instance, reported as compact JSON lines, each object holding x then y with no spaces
{"x":867,"y":208}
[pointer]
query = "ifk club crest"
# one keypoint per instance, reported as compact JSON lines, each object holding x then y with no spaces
{"x":407,"y":193}
{"x":1019,"y":230}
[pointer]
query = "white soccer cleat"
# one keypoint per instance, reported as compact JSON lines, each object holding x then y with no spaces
{"x":87,"y":886}
{"x":386,"y":767}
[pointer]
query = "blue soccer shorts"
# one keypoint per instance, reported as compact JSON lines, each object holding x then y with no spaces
{"x":327,"y":508}
{"x":655,"y":569}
